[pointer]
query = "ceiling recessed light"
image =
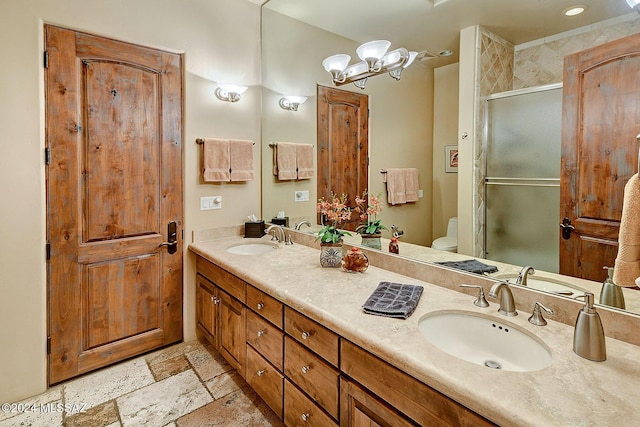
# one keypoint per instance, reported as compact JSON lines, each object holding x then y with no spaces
{"x":445,"y":53}
{"x":574,"y":10}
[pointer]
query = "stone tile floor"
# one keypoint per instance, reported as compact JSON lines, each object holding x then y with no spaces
{"x":184,"y":385}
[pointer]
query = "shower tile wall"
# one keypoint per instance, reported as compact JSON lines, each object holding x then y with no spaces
{"x":540,"y":62}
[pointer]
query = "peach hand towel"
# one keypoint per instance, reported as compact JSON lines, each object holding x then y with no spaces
{"x":216,"y":160}
{"x":304,"y":160}
{"x":241,"y":154}
{"x":395,"y":179}
{"x":411,"y":184}
{"x":286,"y":161}
{"x":627,"y":265}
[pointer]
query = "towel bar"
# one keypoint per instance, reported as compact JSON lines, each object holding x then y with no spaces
{"x":201,"y":141}
{"x":383,"y":171}
{"x":273,"y":144}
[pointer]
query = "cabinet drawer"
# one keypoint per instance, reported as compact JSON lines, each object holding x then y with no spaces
{"x":265,"y":338}
{"x":228,"y":282}
{"x":312,"y":335}
{"x":316,"y":377}
{"x":265,"y":380}
{"x":265,"y":305}
{"x":300,"y":411}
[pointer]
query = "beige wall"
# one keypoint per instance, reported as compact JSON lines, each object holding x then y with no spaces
{"x":400,"y":133}
{"x":445,"y":126}
{"x":221,"y":43}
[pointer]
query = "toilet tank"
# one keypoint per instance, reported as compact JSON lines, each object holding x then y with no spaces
{"x":452,"y":227}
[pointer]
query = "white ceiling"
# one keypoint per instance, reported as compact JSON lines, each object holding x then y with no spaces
{"x":434,"y":25}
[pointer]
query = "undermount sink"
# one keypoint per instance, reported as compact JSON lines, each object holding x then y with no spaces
{"x":252,"y":248}
{"x":545,"y":284}
{"x":485,"y":341}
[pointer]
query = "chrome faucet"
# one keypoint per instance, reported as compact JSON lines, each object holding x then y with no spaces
{"x":507,"y":304}
{"x":522,"y":276}
{"x":279,"y":236}
{"x":300,"y":224}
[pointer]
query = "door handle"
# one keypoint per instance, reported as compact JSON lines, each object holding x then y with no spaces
{"x":567,"y":228}
{"x":172,"y":233}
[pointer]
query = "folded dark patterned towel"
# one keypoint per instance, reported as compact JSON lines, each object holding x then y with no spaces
{"x":470,"y":265}
{"x":393,"y":300}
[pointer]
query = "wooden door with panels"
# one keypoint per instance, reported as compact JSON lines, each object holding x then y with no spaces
{"x":601,"y":118}
{"x":114,"y":200}
{"x":343,"y":145}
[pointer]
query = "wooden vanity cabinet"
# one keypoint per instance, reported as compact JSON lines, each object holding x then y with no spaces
{"x":220,"y":312}
{"x":419,"y":403}
{"x":265,"y":348}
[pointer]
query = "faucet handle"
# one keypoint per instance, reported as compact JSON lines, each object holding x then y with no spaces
{"x":536,"y":317}
{"x":481,"y":301}
{"x":288,"y":240}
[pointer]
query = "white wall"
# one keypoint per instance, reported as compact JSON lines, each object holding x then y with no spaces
{"x":445,"y":129}
{"x":220,"y":40}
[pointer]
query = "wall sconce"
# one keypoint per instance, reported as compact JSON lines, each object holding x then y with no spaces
{"x":231,"y":93}
{"x":375,"y":61}
{"x":634,"y":4}
{"x":291,"y":103}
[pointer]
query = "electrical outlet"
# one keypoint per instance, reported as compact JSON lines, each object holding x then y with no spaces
{"x":420,"y":194}
{"x":301,"y":196}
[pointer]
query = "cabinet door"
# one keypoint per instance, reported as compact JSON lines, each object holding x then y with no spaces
{"x":361,"y":409}
{"x":232,"y":339}
{"x":206,"y":309}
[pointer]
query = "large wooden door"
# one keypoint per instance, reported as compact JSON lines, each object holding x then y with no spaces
{"x":601,"y":118}
{"x":114,"y":184}
{"x":343,"y":144}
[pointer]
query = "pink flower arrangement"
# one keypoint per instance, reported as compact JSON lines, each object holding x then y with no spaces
{"x":368,"y":207}
{"x":334,"y":211}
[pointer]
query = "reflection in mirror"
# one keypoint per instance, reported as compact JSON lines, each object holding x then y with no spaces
{"x":411,"y":121}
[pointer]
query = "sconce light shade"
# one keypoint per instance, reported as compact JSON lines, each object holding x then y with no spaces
{"x":412,"y":56}
{"x":336,"y":64}
{"x":230,"y":93}
{"x":292,"y":103}
{"x":373,"y":49}
{"x":634,"y":4}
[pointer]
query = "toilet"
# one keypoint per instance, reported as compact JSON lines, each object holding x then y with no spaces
{"x":448,"y":243}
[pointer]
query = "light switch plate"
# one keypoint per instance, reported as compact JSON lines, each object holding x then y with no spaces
{"x":210,"y":202}
{"x":301,"y":196}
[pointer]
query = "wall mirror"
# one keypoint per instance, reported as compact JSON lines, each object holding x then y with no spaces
{"x":299,"y":34}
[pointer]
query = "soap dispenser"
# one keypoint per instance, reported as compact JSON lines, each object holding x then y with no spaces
{"x":611,"y":294}
{"x":588,"y":335}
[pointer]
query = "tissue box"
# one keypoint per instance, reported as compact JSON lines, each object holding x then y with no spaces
{"x":254,"y":229}
{"x":284,"y":222}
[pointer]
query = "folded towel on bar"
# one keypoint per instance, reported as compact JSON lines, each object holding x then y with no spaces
{"x":285,"y":161}
{"x":470,"y":265}
{"x":627,"y":266}
{"x":304,"y":160}
{"x":241,"y":154}
{"x":393,"y":300}
{"x":411,"y":184}
{"x":216,"y":160}
{"x":395,"y":179}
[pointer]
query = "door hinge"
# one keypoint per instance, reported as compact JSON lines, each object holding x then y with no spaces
{"x":47,"y":155}
{"x":48,"y":250}
{"x":45,"y":57}
{"x":48,"y":345}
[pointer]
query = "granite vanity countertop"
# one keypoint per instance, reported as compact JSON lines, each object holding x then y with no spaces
{"x":571,"y":392}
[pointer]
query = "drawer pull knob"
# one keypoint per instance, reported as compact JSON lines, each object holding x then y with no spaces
{"x":216,"y":300}
{"x":260,"y":305}
{"x":260,"y":372}
{"x":305,"y":369}
{"x":260,"y":333}
{"x":305,"y":417}
{"x":306,"y":335}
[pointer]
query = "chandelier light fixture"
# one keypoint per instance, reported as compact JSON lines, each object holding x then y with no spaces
{"x":375,"y":60}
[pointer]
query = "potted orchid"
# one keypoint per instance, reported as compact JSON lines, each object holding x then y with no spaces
{"x":368,"y":207}
{"x":334,"y":212}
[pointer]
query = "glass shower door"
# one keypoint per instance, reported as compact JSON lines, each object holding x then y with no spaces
{"x":522,"y":181}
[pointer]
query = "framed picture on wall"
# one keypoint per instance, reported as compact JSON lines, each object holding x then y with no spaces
{"x":451,"y":158}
